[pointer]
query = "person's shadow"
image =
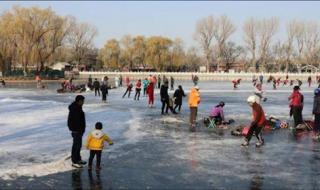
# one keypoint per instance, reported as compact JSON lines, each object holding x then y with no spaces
{"x":95,"y":184}
{"x":76,"y":180}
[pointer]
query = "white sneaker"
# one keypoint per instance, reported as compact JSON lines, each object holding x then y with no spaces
{"x":77,"y":165}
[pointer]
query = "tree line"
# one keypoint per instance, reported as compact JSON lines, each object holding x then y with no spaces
{"x":39,"y":37}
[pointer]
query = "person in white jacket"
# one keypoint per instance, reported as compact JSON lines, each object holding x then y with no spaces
{"x":259,"y":93}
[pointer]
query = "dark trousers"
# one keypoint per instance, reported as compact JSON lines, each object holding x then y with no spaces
{"x":126,"y":93}
{"x":137,"y":94}
{"x":144,"y":91}
{"x":297,"y":115}
{"x":177,"y":106}
{"x":159,"y":84}
{"x":104,"y":96}
{"x":317,"y":123}
{"x":76,"y":147}
{"x":165,"y":104}
{"x":96,"y":91}
{"x":92,"y":154}
{"x":256,"y":130}
{"x":193,"y":115}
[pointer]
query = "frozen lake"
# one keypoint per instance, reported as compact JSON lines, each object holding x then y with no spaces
{"x":153,"y":151}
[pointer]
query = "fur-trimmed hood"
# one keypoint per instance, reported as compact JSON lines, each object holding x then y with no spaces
{"x":97,"y":133}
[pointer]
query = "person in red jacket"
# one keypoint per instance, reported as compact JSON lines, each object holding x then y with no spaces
{"x":296,"y":105}
{"x":259,"y":120}
{"x":150,"y":92}
{"x":138,"y":90}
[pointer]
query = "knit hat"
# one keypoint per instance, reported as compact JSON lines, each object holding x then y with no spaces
{"x":252,"y":99}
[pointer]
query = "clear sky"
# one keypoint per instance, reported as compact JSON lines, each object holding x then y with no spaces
{"x":114,"y":19}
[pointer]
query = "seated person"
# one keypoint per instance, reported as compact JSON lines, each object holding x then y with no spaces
{"x":217,"y":113}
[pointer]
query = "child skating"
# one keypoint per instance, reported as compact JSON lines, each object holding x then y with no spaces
{"x":95,"y":143}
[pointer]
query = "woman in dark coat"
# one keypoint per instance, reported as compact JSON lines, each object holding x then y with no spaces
{"x":178,"y":95}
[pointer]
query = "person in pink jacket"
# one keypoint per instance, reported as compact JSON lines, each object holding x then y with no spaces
{"x":217,"y":113}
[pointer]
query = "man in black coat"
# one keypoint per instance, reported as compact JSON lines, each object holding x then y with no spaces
{"x":165,"y":98}
{"x":96,"y":85}
{"x":77,"y":126}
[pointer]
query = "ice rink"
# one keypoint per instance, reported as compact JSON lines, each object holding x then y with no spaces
{"x":151,"y":150}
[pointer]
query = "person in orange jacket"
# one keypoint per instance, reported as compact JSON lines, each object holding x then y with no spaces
{"x":259,"y":120}
{"x":95,"y":144}
{"x":194,"y":101}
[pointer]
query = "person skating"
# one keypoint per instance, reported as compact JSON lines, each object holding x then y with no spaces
{"x":236,"y":82}
{"x":194,"y":101}
{"x":120,"y":81}
{"x":309,"y":81}
{"x":77,"y":126}
{"x":217,"y":113}
{"x":261,"y":79}
{"x":254,"y":80}
{"x":178,"y":95}
{"x":299,"y":82}
{"x":165,"y":98}
{"x":291,"y":82}
{"x":274,"y":84}
{"x":104,"y":92}
{"x":138,"y":90}
{"x":296,"y":105}
{"x":150,"y":92}
{"x":95,"y":143}
{"x":116,"y":81}
{"x":129,"y":89}
{"x":96,"y":85}
{"x":260,"y":93}
{"x":172,"y":82}
{"x":90,"y":84}
{"x":145,"y":83}
{"x":159,"y":81}
{"x":316,"y":113}
{"x":195,"y":79}
{"x":257,"y":123}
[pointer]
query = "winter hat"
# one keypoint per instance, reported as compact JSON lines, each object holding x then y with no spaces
{"x":196,"y":87}
{"x":317,"y":91}
{"x":251,"y":99}
{"x":296,"y":88}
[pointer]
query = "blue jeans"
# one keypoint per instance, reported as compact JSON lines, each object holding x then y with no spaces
{"x":76,"y":147}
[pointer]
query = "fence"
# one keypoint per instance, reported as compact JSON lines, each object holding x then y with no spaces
{"x":202,"y":76}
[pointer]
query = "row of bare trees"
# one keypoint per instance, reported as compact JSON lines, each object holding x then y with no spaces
{"x":36,"y":37}
{"x":39,"y":37}
{"x":261,"y":50}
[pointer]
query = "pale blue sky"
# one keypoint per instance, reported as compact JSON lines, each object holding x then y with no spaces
{"x":171,"y":18}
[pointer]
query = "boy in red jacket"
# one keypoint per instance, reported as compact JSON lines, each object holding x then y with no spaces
{"x":138,"y":90}
{"x":258,"y":122}
{"x":296,"y":105}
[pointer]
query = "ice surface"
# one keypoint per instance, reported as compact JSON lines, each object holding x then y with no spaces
{"x":35,"y":140}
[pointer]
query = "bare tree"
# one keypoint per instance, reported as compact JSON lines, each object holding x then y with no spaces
{"x":224,"y":28}
{"x":299,"y":38}
{"x":81,"y":38}
{"x":204,"y":34}
{"x":268,"y":28}
{"x":230,"y":54}
{"x":288,"y":46}
{"x":250,"y":29}
{"x":312,"y":43}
